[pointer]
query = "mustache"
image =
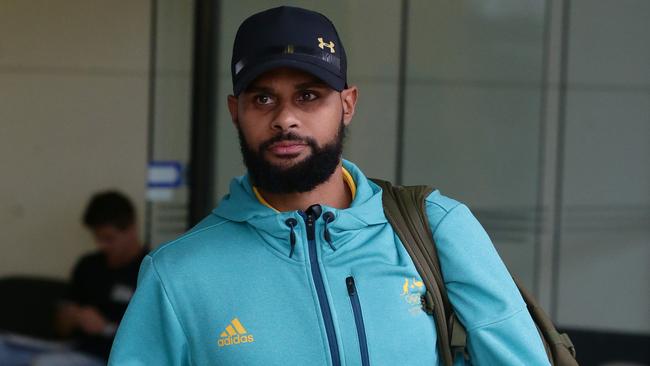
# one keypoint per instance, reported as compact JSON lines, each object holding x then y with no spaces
{"x":290,"y":136}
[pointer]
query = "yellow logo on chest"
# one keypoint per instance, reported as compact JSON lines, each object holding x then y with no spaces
{"x":235,"y":333}
{"x":412,"y":293}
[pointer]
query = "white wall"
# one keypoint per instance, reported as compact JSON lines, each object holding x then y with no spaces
{"x":73,"y":120}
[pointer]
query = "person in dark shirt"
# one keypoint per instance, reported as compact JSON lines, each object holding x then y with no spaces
{"x":101,"y":286}
{"x":104,"y":281}
{"x":98,"y":298}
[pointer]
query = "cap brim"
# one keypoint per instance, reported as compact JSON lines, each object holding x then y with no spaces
{"x":300,"y":62}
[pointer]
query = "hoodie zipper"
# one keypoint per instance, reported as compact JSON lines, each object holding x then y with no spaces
{"x":358,"y":320}
{"x":310,"y":217}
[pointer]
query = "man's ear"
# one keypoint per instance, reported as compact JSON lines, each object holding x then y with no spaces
{"x":349,"y":101}
{"x":233,"y":108}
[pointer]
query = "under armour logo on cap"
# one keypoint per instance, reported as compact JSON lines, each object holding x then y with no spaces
{"x":322,"y":44}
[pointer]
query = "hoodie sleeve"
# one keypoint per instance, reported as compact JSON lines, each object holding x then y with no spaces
{"x":499,"y":328}
{"x":150,"y":332}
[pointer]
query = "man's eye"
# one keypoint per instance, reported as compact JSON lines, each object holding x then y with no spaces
{"x":307,"y":96}
{"x":263,"y":99}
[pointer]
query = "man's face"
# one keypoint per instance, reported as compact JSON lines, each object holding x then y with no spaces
{"x":113,"y":241}
{"x":291,"y":128}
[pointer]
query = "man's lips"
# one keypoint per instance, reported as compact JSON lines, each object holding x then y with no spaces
{"x":287,"y":147}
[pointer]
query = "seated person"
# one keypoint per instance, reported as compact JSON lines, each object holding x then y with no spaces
{"x":101,"y":286}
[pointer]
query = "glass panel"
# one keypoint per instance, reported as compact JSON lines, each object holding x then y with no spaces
{"x":606,"y":212}
{"x":170,"y":134}
{"x":472,"y":120}
{"x":606,"y":206}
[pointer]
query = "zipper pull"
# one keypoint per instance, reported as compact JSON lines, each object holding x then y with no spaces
{"x":291,"y":222}
{"x":352,"y":289}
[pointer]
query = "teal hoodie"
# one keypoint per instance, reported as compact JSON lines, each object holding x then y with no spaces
{"x":253,"y":286}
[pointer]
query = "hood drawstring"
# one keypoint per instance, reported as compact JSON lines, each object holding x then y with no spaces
{"x":291,"y":222}
{"x":327,"y":218}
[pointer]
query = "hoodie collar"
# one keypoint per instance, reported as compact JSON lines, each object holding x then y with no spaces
{"x":347,"y":178}
{"x":243,"y":204}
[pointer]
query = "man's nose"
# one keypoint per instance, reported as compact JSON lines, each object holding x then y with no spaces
{"x":285,"y":118}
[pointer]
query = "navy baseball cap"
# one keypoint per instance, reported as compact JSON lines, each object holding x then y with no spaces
{"x":288,"y":37}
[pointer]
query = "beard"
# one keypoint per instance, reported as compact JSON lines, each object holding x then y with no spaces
{"x":300,"y":177}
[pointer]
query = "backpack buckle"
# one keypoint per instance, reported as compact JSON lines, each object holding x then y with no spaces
{"x":427,"y":303}
{"x":458,"y":339}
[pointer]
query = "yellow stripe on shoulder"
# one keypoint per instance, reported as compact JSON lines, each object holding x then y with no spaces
{"x":347,"y":177}
{"x":262,"y":200}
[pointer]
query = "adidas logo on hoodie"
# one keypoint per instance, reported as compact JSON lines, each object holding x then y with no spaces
{"x":235,"y":333}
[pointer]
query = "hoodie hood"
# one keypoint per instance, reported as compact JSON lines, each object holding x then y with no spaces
{"x":242,"y":205}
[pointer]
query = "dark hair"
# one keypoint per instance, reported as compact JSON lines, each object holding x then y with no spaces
{"x":109,"y":208}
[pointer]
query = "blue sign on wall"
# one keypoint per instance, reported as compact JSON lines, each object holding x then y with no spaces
{"x":165,"y":174}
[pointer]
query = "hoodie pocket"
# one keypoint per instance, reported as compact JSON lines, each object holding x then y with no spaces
{"x":358,"y":320}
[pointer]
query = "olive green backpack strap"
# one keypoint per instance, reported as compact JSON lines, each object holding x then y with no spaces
{"x":559,"y":348}
{"x":404,"y":209}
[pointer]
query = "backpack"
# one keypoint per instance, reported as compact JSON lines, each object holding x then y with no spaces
{"x":404,"y":208}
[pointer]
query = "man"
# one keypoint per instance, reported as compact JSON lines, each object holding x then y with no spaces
{"x":104,"y":281}
{"x":101,"y":286}
{"x":298,"y":265}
